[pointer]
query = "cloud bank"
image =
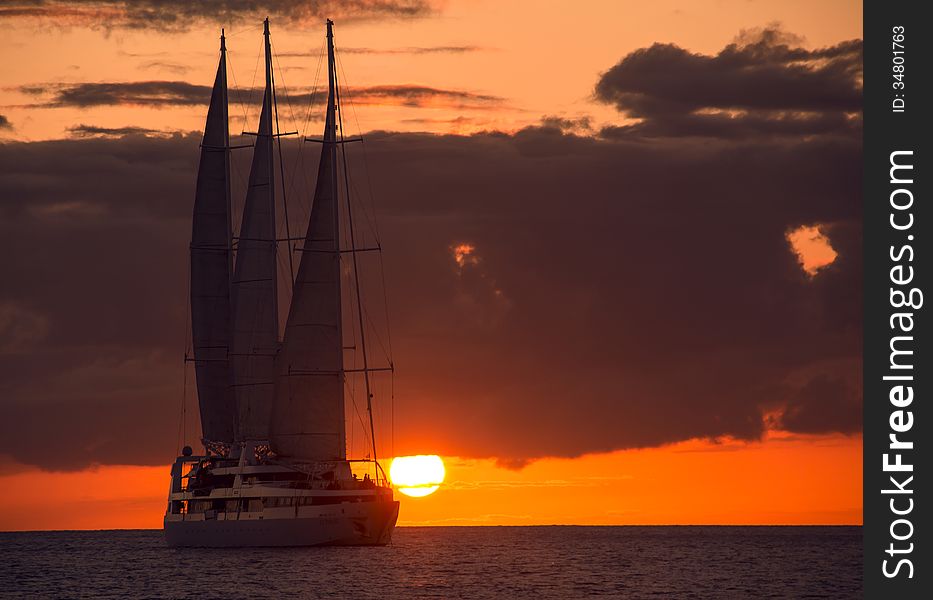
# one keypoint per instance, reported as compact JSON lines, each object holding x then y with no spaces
{"x":159,"y":94}
{"x":617,"y":294}
{"x":180,"y":15}
{"x":554,"y":292}
{"x":761,"y":84}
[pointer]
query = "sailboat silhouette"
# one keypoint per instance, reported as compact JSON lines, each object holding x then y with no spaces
{"x":275,"y":470}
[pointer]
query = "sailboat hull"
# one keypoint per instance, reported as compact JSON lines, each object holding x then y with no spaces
{"x":350,"y":524}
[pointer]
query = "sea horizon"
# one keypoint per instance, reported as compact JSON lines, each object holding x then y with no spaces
{"x":722,"y":525}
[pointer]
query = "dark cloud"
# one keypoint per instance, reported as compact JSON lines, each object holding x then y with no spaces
{"x":414,"y":50}
{"x":407,"y":50}
{"x":162,"y":65}
{"x":135,"y":93}
{"x":420,"y":96}
{"x":746,"y":125}
{"x":456,"y":121}
{"x":123,"y":52}
{"x":761,"y":84}
{"x":616,"y":293}
{"x":95,"y":130}
{"x":181,"y":93}
{"x":824,"y":404}
{"x":5,"y":123}
{"x":180,"y":15}
{"x":568,"y":124}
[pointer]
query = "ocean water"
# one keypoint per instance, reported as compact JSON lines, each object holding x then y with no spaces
{"x":449,"y":562}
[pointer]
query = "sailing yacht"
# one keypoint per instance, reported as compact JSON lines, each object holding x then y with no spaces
{"x":275,"y":470}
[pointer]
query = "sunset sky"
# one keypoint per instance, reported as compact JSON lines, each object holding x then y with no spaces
{"x":622,"y":249}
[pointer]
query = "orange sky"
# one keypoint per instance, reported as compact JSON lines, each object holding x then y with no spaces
{"x":798,"y":480}
{"x":533,"y":63}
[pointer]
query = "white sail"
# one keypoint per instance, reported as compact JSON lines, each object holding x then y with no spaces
{"x":255,"y":314}
{"x":308,"y":414}
{"x":210,"y":269}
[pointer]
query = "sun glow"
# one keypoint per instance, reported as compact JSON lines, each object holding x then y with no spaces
{"x":417,"y":476}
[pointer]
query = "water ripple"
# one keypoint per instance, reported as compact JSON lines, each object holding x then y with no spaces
{"x":449,"y":562}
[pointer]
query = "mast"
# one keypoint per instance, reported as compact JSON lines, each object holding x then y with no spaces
{"x":226,"y":119}
{"x":269,"y":100}
{"x":278,"y":143}
{"x":308,"y":417}
{"x":255,"y":337}
{"x":330,"y":133}
{"x":337,"y":107}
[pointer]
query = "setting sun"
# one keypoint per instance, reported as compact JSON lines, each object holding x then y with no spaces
{"x":417,"y":476}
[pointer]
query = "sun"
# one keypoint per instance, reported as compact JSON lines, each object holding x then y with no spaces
{"x":417,"y":476}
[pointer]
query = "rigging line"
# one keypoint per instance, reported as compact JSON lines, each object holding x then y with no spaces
{"x":387,"y":346}
{"x":375,"y":230}
{"x":369,"y":182}
{"x":292,"y":186}
{"x":385,"y":349}
{"x":180,"y":433}
{"x":288,"y":103}
{"x":269,"y":94}
{"x":235,"y":206}
{"x":347,"y":276}
{"x":236,"y":88}
{"x":375,"y":330}
{"x":352,"y":381}
{"x":184,"y":365}
{"x":370,"y":218}
{"x":252,"y":86}
{"x":382,"y":345}
{"x":317,"y":73}
{"x":372,"y":323}
{"x":184,"y":409}
{"x":278,"y":140}
{"x":291,"y":182}
{"x":283,"y":270}
{"x":184,"y":391}
{"x":351,"y":425}
{"x":235,"y":214}
{"x":311,"y":105}
{"x":385,"y":306}
{"x":304,"y":127}
{"x":181,"y":422}
{"x":242,"y":31}
{"x":392,"y":409}
{"x":228,"y":192}
{"x":356,"y":273}
{"x":385,"y":298}
{"x":314,"y":88}
{"x":237,"y":209}
{"x":359,"y":415}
